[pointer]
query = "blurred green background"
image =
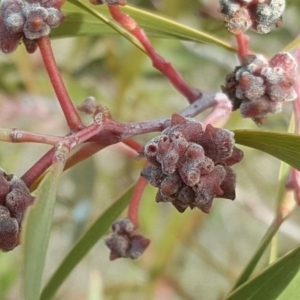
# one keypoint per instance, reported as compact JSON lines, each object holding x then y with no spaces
{"x":191,"y":255}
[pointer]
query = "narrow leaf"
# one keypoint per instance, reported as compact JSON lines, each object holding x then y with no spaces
{"x":87,"y":20}
{"x":273,"y":229}
{"x":257,"y":255}
{"x":292,"y":45}
{"x":84,"y":244}
{"x":164,"y":28}
{"x":36,"y":231}
{"x":280,"y":281}
{"x":92,"y":13}
{"x":284,"y":146}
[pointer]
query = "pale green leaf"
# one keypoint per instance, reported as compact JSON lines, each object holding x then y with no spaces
{"x":280,"y":281}
{"x":283,"y":175}
{"x":84,"y":244}
{"x":83,"y":19}
{"x":292,"y":45}
{"x":36,"y":231}
{"x":284,"y":146}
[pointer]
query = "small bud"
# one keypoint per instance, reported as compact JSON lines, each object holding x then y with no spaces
{"x":27,"y":20}
{"x":30,"y":45}
{"x":209,"y":187}
{"x":171,"y":184}
{"x":259,"y":87}
{"x":262,"y":16}
{"x":126,"y":241}
{"x":4,"y":187}
{"x":123,"y":226}
{"x":217,"y":143}
{"x":9,"y":230}
{"x":153,"y":174}
{"x":18,"y":199}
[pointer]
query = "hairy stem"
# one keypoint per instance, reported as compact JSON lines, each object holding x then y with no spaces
{"x":71,"y":115}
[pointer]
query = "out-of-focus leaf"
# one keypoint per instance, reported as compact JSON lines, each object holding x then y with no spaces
{"x":77,"y":24}
{"x":282,"y":178}
{"x":84,"y":19}
{"x":280,"y":281}
{"x":284,"y":146}
{"x":292,"y":45}
{"x":36,"y":231}
{"x":84,"y":244}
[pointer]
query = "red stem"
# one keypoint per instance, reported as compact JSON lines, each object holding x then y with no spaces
{"x":20,"y":136}
{"x":71,"y":115}
{"x":113,"y":132}
{"x":135,"y":201}
{"x":133,"y":144}
{"x":38,"y":168}
{"x":243,"y":45}
{"x":158,"y":62}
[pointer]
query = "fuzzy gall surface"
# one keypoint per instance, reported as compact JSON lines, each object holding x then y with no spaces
{"x":259,"y":15}
{"x":259,"y":87}
{"x":191,"y":166}
{"x":14,"y":200}
{"x":126,"y":241}
{"x":27,"y":21}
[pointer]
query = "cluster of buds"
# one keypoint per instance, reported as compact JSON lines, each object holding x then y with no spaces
{"x":27,"y":21}
{"x":259,"y":87}
{"x":126,"y":241}
{"x":191,"y":166}
{"x":14,"y":200}
{"x":259,"y":15}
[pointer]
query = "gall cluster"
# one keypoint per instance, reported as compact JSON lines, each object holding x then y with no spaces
{"x":27,"y":21}
{"x":126,"y":241}
{"x":14,"y":200}
{"x":260,"y":15}
{"x":191,"y":166}
{"x":259,"y":87}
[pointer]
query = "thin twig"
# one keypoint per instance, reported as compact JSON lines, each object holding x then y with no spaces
{"x":134,"y":204}
{"x":158,"y":61}
{"x":71,"y":115}
{"x":20,"y":136}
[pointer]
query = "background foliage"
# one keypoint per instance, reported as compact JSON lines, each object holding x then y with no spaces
{"x":190,"y":254}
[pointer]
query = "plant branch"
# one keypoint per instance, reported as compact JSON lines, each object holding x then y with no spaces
{"x":158,"y":62}
{"x":38,"y":168}
{"x":135,"y":201}
{"x":104,"y":132}
{"x":70,"y":112}
{"x":220,"y":112}
{"x":20,"y":136}
{"x":243,"y":45}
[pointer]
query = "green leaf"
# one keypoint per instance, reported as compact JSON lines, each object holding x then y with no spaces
{"x":36,"y":231}
{"x":280,"y":281}
{"x":284,"y":146}
{"x":292,"y":45}
{"x":84,"y":244}
{"x":87,"y":20}
{"x":77,"y":24}
{"x":273,"y":229}
{"x":257,"y":255}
